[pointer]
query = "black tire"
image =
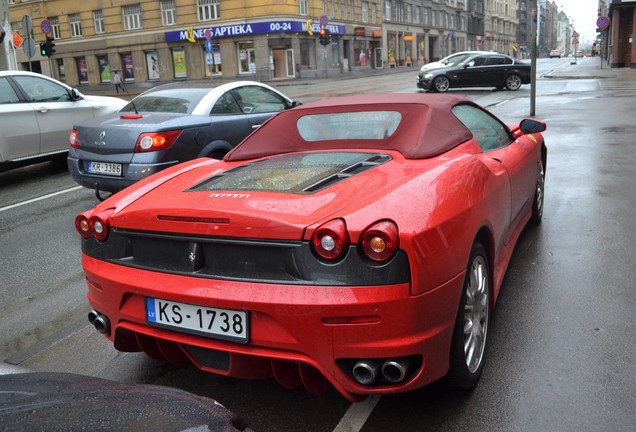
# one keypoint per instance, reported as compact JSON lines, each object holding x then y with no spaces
{"x":513,"y":82}
{"x":539,"y":196}
{"x":468,"y":345}
{"x":441,"y":84}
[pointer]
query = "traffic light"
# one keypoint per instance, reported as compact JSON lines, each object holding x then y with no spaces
{"x":325,"y":37}
{"x":47,"y":49}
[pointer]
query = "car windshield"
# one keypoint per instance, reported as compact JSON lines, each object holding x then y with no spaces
{"x":369,"y":125}
{"x":176,"y":100}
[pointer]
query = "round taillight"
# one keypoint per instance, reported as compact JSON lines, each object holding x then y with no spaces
{"x":331,"y":240}
{"x":146,"y":143}
{"x":82,"y":225}
{"x":381,"y":241}
{"x":99,"y":226}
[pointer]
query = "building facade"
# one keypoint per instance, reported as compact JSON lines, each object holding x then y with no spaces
{"x":501,"y":22}
{"x":621,"y":46}
{"x":163,"y":40}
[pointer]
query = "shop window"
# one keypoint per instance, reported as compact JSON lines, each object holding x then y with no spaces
{"x":152,"y":63}
{"x":179,"y":63}
{"x":128,"y":67}
{"x":82,"y":70}
{"x":104,"y":68}
{"x":247,"y":62}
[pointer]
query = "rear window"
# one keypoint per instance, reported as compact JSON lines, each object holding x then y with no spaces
{"x":293,"y":173}
{"x":177,"y":100}
{"x":366,"y":125}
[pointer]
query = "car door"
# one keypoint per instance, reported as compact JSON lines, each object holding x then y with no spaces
{"x":471,"y":72}
{"x":495,"y":70}
{"x":230,"y":124}
{"x":497,"y":142}
{"x":20,"y":136}
{"x":54,"y":110}
{"x":259,"y":103}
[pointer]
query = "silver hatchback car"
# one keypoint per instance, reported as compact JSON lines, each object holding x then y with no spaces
{"x":37,"y":114}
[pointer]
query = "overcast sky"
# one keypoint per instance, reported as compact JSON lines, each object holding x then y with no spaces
{"x":584,"y":13}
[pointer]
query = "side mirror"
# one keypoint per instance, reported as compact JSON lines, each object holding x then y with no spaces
{"x":532,"y":126}
{"x":295,"y":104}
{"x":75,"y":94}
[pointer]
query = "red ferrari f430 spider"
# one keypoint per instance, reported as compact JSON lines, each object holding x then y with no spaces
{"x":358,"y":241}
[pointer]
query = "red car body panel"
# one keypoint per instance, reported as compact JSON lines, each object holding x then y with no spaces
{"x":439,"y":203}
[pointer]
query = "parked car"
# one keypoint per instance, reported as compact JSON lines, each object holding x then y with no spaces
{"x":54,"y":401}
{"x":555,"y":54}
{"x":166,"y":125}
{"x":451,"y":60}
{"x":479,"y":70}
{"x":359,"y":241}
{"x":37,"y":114}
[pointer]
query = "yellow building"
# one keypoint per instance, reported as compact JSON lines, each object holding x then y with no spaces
{"x":162,"y":40}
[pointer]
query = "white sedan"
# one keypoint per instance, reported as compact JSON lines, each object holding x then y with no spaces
{"x":37,"y":114}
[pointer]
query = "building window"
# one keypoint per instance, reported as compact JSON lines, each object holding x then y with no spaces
{"x":168,"y":12}
{"x":387,"y":10}
{"x":208,"y":10}
{"x":132,"y":16}
{"x":11,"y":1}
{"x":15,"y":27}
{"x":55,"y":28}
{"x":303,"y":8}
{"x":365,"y":12}
{"x":75,"y":23}
{"x":373,"y":13}
{"x":98,"y":19}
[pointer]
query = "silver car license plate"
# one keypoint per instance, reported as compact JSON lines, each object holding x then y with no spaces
{"x":218,"y":323}
{"x":112,"y":169}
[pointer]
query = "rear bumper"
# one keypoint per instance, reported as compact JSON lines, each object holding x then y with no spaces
{"x":290,"y":336}
{"x":132,"y":173}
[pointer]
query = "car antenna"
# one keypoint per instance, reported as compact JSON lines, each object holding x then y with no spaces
{"x":131,"y":100}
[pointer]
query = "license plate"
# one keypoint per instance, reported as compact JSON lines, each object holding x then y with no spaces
{"x":112,"y":169}
{"x":228,"y":324}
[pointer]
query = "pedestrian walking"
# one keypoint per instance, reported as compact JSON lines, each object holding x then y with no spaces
{"x":117,"y":80}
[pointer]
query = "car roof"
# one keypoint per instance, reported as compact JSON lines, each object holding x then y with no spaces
{"x":427,"y":127}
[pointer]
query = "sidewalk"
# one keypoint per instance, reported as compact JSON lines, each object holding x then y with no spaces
{"x":590,"y":68}
{"x":585,"y":68}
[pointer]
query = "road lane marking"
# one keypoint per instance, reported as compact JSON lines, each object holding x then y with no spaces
{"x":40,"y":198}
{"x":357,"y":415}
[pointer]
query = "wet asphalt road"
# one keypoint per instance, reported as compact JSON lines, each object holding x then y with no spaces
{"x":561,"y":349}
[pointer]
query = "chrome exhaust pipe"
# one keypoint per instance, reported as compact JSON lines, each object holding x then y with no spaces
{"x":102,"y":324}
{"x":365,"y":371}
{"x":394,"y":370}
{"x":92,"y":316}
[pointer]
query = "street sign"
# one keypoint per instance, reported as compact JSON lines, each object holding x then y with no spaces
{"x":29,"y":47}
{"x":208,"y":45}
{"x":602,"y":22}
{"x":575,"y":40}
{"x":208,"y":35}
{"x":324,"y":20}
{"x":27,"y":25}
{"x":45,"y":26}
{"x":17,"y":40}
